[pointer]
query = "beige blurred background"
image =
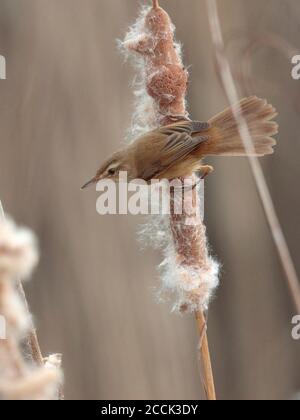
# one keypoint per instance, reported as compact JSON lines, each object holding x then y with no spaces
{"x":66,"y":105}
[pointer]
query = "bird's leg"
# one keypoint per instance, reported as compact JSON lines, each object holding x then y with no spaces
{"x":192,"y":187}
{"x":206,"y":170}
{"x":189,"y":187}
{"x":203,"y":172}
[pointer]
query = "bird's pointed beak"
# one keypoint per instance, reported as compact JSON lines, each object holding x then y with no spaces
{"x":90,"y":182}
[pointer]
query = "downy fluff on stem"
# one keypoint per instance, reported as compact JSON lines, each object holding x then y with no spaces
{"x":18,"y":258}
{"x":20,"y":379}
{"x":188,"y":273}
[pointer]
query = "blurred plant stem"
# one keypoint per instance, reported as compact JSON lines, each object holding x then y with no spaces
{"x":228,"y":84}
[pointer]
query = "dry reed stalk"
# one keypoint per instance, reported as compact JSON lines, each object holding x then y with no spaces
{"x":261,"y":184}
{"x":204,"y":356}
{"x":160,"y":97}
{"x":32,"y":338}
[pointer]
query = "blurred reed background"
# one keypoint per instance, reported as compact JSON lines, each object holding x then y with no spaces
{"x":65,"y":106}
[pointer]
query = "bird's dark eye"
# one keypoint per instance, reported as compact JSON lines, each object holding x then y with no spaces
{"x":112,"y":171}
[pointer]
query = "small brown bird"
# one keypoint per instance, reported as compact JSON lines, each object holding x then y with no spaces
{"x":177,"y":150}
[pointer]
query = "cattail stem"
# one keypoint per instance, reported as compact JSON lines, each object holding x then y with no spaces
{"x":195,"y":253}
{"x":163,"y":72}
{"x":32,"y":338}
{"x":204,"y":358}
{"x":35,"y":348}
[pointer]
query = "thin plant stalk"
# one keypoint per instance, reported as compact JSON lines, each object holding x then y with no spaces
{"x":32,"y":338}
{"x":195,"y":254}
{"x":204,"y":358}
{"x":261,"y":184}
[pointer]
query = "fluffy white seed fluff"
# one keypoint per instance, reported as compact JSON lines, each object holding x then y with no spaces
{"x":18,"y":251}
{"x":12,"y":307}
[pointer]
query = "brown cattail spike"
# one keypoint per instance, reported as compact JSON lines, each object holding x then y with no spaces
{"x":191,"y":273}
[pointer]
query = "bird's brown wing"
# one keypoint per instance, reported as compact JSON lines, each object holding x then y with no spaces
{"x":185,"y":127}
{"x":177,"y":143}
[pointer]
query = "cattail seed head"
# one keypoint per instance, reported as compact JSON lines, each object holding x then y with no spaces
{"x":188,"y":273}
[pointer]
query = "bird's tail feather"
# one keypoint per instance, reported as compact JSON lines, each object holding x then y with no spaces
{"x":225,"y":139}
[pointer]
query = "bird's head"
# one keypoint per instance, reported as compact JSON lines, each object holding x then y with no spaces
{"x":109,"y":170}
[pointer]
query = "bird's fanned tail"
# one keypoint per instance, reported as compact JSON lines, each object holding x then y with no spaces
{"x":224,"y":135}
